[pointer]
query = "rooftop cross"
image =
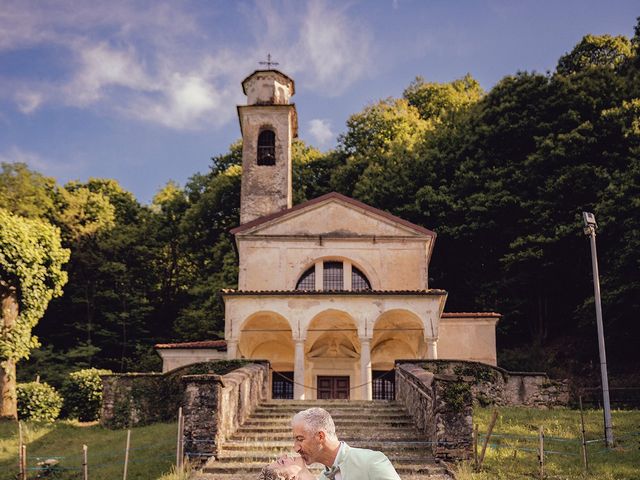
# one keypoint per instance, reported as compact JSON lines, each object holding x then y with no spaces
{"x":269,"y":63}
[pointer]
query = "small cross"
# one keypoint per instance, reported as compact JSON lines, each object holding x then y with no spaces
{"x":269,"y":63}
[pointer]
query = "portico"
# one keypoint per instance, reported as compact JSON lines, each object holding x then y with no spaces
{"x":332,"y":334}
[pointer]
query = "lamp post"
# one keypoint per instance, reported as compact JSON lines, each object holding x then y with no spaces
{"x":590,"y":227}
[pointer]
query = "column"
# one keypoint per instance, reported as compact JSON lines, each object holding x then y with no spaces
{"x":232,"y":349}
{"x":365,"y":368}
{"x":298,"y":371}
{"x":432,"y":348}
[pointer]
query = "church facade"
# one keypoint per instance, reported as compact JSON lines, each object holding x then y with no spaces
{"x":331,"y":291}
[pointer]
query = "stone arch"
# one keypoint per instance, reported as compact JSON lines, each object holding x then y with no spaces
{"x":267,"y":335}
{"x":397,"y":334}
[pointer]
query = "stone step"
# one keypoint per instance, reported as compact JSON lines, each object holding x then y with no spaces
{"x":435,"y":475}
{"x":331,"y":407}
{"x":362,"y":427}
{"x":346,"y":422}
{"x":253,"y":468}
{"x":349,"y":437}
{"x":336,"y":415}
{"x":383,"y":445}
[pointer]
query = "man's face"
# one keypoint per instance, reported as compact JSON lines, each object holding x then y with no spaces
{"x":308,"y":445}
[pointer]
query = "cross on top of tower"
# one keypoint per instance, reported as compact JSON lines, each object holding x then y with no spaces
{"x":269,"y":63}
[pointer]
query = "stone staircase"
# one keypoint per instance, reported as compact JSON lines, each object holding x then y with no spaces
{"x":377,"y":425}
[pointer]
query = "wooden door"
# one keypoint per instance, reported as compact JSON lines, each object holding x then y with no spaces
{"x":333,"y":388}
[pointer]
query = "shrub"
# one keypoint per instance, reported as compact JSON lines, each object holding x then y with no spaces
{"x":83,"y":394}
{"x":38,"y":401}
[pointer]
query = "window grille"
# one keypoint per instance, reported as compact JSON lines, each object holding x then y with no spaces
{"x":333,"y":277}
{"x":307,"y":280}
{"x":358,"y":280}
{"x":383,"y":385}
{"x":267,"y":148}
{"x":282,"y":386}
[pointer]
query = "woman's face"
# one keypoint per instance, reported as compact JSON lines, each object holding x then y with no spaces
{"x":288,"y":465}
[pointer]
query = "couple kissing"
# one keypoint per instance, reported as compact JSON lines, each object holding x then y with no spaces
{"x":315,"y":441}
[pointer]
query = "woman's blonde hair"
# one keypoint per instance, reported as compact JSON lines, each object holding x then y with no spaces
{"x":270,"y":473}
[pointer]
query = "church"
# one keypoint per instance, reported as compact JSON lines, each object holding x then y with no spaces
{"x":331,"y":291}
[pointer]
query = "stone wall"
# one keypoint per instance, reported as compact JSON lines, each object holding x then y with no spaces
{"x":214,"y":406}
{"x":495,"y":386}
{"x":131,"y":399}
{"x":441,"y":407}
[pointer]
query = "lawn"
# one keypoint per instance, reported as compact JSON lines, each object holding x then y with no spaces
{"x":152,"y":450}
{"x":512,"y":448}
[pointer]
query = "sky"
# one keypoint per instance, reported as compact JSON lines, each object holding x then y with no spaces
{"x":145,"y":92}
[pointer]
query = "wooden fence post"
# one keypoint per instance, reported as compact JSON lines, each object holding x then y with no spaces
{"x":541,"y":451}
{"x":179,"y":445}
{"x":475,"y":447}
{"x":492,"y":423}
{"x":85,"y":462}
{"x":23,"y":465}
{"x":584,"y":439}
{"x":126,"y":455}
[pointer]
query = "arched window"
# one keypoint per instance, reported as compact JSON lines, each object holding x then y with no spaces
{"x":333,"y":278}
{"x":307,"y":280}
{"x":267,"y":148}
{"x":358,"y":280}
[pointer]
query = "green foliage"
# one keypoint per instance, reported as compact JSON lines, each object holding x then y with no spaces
{"x":83,"y":394}
{"x":439,"y":102}
{"x":38,"y":401}
{"x":31,"y":259}
{"x":456,"y":396}
{"x":596,"y":51}
{"x":218,"y":367}
{"x":24,"y":192}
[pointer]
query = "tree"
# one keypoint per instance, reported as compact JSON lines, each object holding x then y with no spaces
{"x":25,"y":192}
{"x":596,"y":51}
{"x":439,"y":102}
{"x":31,"y":259}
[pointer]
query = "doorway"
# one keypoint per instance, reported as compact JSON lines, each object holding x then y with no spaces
{"x":333,"y":388}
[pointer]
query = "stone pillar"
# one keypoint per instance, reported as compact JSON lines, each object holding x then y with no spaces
{"x":232,"y":349}
{"x":432,"y":348}
{"x":298,"y":370}
{"x":365,"y":368}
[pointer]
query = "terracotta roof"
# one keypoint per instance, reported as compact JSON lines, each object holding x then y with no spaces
{"x":329,"y":196}
{"x":470,"y":314}
{"x":216,"y":344}
{"x":227,"y":291}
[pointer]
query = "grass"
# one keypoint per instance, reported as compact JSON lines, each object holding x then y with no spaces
{"x":512,"y":448}
{"x":152,"y":450}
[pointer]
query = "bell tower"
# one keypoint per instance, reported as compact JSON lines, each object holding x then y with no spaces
{"x":268,"y":123}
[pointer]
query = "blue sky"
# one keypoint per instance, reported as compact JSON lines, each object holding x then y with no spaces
{"x":146,"y":91}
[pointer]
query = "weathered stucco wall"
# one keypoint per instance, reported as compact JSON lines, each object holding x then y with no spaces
{"x":468,"y":337}
{"x":214,"y":406}
{"x":496,"y":386}
{"x":441,"y":407}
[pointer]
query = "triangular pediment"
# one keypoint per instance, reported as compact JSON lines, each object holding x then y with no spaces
{"x":333,"y":215}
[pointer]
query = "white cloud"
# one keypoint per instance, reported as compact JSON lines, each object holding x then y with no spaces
{"x":320,"y":130}
{"x":28,"y":101}
{"x":160,"y":61}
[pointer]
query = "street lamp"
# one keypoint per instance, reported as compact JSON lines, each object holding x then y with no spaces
{"x":590,"y":227}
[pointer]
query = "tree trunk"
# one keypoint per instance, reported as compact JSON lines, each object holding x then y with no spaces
{"x":8,"y":400}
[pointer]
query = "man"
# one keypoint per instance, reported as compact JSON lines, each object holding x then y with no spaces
{"x":315,"y":440}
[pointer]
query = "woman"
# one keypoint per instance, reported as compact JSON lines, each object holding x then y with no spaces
{"x":286,"y":468}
